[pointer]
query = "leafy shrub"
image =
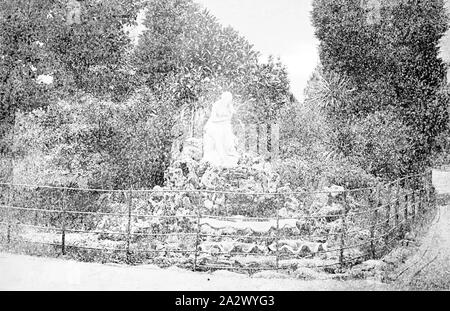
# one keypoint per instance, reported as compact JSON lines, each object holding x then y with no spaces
{"x":87,"y":142}
{"x":350,"y":176}
{"x":304,"y":131}
{"x":186,"y":44}
{"x":388,"y":69}
{"x":380,"y":145}
{"x":315,"y":174}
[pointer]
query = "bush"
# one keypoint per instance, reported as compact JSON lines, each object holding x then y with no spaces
{"x":185,"y":43}
{"x":350,"y":176}
{"x":380,"y":144}
{"x":310,"y":146}
{"x":304,"y":132}
{"x":388,"y":69}
{"x":316,"y":174}
{"x":87,"y":142}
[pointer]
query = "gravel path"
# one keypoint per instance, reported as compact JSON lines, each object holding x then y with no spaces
{"x":429,"y":267}
{"x":20,"y":272}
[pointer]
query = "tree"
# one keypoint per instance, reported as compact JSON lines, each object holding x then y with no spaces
{"x":35,"y":39}
{"x":92,"y":143}
{"x":22,"y":33}
{"x":391,"y":63}
{"x":187,"y":45}
{"x":94,"y":51}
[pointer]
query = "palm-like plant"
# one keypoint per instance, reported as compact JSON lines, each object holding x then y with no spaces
{"x":330,"y":91}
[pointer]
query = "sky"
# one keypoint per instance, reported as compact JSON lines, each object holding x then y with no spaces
{"x":445,"y":43}
{"x":281,"y":28}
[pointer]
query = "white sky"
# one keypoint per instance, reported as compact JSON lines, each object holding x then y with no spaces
{"x":445,"y":43}
{"x":275,"y":27}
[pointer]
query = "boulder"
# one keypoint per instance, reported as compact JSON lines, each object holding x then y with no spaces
{"x":410,"y":236}
{"x":186,"y":202}
{"x":334,"y":190}
{"x":208,"y":204}
{"x":397,"y":256}
{"x":192,"y":149}
{"x":307,"y":274}
{"x":273,"y":183}
{"x":210,"y":178}
{"x":370,"y":265}
{"x":285,"y":189}
{"x":220,"y":201}
{"x":283,"y":213}
{"x":176,"y":177}
{"x":193,"y":180}
{"x":331,"y":212}
{"x":368,"y":269}
{"x":270,"y":275}
{"x":251,"y":184}
{"x":258,"y":166}
{"x":158,"y":193}
{"x":320,"y":200}
{"x":292,"y":203}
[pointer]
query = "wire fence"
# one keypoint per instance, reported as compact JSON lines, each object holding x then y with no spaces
{"x":207,"y":230}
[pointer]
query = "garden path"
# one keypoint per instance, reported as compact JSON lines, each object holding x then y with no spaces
{"x":429,"y":267}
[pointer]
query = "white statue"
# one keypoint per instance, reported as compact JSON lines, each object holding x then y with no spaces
{"x":219,"y":142}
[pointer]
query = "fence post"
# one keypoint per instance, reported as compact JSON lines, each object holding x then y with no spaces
{"x":429,"y":178}
{"x":406,"y":202}
{"x":343,"y":230}
{"x":374,"y":222}
{"x":397,"y":204}
{"x":63,"y":233}
{"x":197,"y":238}
{"x":414,"y":206}
{"x":432,"y":194}
{"x":420,"y":203}
{"x":9,"y":216}
{"x":388,"y":216}
{"x":277,"y":242}
{"x":253,"y":139}
{"x":130,"y":202}
{"x":426,"y":203}
{"x":275,"y":142}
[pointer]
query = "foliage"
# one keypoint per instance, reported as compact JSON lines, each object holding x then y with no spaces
{"x":322,"y":139}
{"x":94,"y":53}
{"x":390,"y":67}
{"x":304,"y":131}
{"x":21,"y":29}
{"x":441,"y":154}
{"x":36,"y":40}
{"x":314,"y":174}
{"x":185,"y":57}
{"x":187,"y":45}
{"x":379,"y":144}
{"x":93,"y":143}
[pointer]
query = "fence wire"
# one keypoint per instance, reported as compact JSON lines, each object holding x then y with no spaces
{"x":368,"y":224}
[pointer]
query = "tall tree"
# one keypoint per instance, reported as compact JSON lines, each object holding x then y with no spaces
{"x":186,"y":44}
{"x":37,"y":39}
{"x":389,"y":52}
